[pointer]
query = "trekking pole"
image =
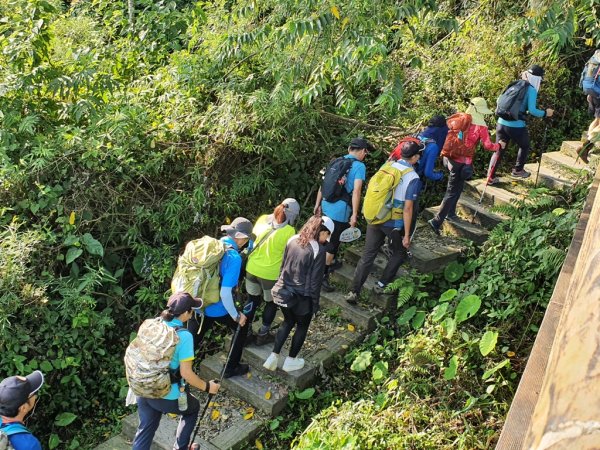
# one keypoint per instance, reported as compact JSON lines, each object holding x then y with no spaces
{"x":541,"y":153}
{"x":193,"y":446}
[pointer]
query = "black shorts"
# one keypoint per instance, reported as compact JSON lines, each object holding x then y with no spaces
{"x":334,"y":240}
{"x":594,"y":106}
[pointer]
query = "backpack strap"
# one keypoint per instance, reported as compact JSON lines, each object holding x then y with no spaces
{"x":14,"y":428}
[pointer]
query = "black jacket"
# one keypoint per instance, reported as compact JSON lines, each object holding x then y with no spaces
{"x":302,"y":271}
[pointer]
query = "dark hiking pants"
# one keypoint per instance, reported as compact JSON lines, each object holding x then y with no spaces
{"x":521,"y":137}
{"x":459,"y":173}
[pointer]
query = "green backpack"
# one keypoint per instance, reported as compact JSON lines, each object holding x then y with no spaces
{"x":197,"y":270}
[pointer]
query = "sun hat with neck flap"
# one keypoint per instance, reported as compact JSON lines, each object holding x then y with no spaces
{"x":477,"y":109}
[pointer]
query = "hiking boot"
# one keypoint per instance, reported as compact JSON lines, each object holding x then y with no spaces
{"x":263,"y":339}
{"x":492,"y":181}
{"x":240,"y":369}
{"x":434,"y":227}
{"x":337,"y":264}
{"x":271,"y":362}
{"x":520,"y":173}
{"x":326,"y":285}
{"x":291,"y":364}
{"x":351,"y":297}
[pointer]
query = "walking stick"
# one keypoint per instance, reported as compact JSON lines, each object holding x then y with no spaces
{"x":193,"y":446}
{"x":541,"y":153}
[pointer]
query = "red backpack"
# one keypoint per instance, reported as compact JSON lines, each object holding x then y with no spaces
{"x":454,"y":147}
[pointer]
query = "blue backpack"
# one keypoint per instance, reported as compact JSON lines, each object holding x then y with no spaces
{"x":589,"y":77}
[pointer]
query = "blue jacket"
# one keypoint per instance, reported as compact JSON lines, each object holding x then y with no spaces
{"x":426,"y":164}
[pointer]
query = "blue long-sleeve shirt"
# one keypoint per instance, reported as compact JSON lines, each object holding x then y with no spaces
{"x":426,"y":164}
{"x":529,"y":105}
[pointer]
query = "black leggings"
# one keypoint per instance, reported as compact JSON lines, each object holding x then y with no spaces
{"x":292,"y":319}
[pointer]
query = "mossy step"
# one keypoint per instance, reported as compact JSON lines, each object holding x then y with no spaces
{"x":460,"y":228}
{"x":164,"y":438}
{"x":494,"y":195}
{"x":345,"y":274}
{"x":316,"y":358}
{"x":251,"y":388}
{"x":547,"y":176}
{"x":564,"y":164}
{"x":355,"y":314}
{"x":116,"y":443}
{"x":467,"y":207}
{"x":571,"y":148}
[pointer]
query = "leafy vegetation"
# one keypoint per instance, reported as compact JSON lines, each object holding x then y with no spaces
{"x":129,"y":127}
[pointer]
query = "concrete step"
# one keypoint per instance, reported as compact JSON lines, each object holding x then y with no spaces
{"x":115,"y":443}
{"x":548,"y":177}
{"x":467,"y":207}
{"x":494,"y":195}
{"x":251,"y":388}
{"x":355,"y":314}
{"x":564,"y":164}
{"x":316,"y":357}
{"x":460,"y":228}
{"x":345,"y":275}
{"x":571,"y":148}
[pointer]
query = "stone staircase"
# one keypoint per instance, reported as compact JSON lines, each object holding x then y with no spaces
{"x":341,"y":326}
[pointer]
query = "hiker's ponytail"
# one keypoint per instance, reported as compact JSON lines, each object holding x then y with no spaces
{"x":167,"y":316}
{"x":279,"y":213}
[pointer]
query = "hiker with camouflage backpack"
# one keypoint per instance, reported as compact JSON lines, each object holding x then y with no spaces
{"x":339,"y":198}
{"x":389,"y":211}
{"x":518,"y":100}
{"x":159,"y":371}
{"x":466,"y":130}
{"x":18,"y":397}
{"x":590,"y":83}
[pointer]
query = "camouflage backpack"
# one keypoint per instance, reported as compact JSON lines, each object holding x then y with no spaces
{"x":197,"y":270}
{"x":148,"y":357}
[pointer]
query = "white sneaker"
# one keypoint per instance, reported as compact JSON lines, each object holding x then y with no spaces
{"x":271,"y":362}
{"x":291,"y":364}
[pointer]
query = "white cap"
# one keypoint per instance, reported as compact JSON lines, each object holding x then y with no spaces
{"x":329,"y":225}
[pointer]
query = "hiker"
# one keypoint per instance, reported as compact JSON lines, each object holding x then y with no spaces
{"x":590,"y":83}
{"x":433,"y":136}
{"x":466,"y":131}
{"x":394,"y":223}
{"x":272,"y":234}
{"x":150,"y":410}
{"x":339,"y":198}
{"x":18,"y":396}
{"x":298,"y":288}
{"x":224,"y":311}
{"x":521,"y":98}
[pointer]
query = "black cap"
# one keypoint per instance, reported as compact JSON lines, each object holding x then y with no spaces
{"x":536,"y":70}
{"x":181,"y":302}
{"x":437,"y":121}
{"x":14,"y":391}
{"x":239,"y":228}
{"x":360,"y":143}
{"x":410,"y":149}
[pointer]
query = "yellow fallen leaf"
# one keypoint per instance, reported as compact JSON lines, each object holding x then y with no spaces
{"x":72,"y":218}
{"x":336,"y":12}
{"x":351,"y":328}
{"x":215,"y":414}
{"x":248,"y":375}
{"x":510,"y":354}
{"x":249,"y":415}
{"x":258,"y":445}
{"x":345,"y":22}
{"x":172,"y":415}
{"x":268,"y":395}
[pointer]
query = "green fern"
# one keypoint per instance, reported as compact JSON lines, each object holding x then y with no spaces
{"x":405,"y":294}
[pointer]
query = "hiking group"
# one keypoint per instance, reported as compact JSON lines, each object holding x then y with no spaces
{"x":285,"y":270}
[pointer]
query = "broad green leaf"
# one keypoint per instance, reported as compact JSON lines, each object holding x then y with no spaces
{"x":450,"y":371}
{"x":454,"y":271}
{"x":138,"y":264}
{"x":494,"y":369}
{"x":305,"y":394}
{"x":93,"y":246}
{"x":361,"y":362}
{"x":448,"y":295}
{"x":54,"y":441}
{"x":418,"y":319}
{"x":64,"y":419}
{"x":406,"y":316}
{"x":380,"y":370}
{"x":488,"y":342}
{"x":45,"y":367}
{"x":559,"y":211}
{"x":449,"y":326}
{"x":72,"y":254}
{"x":467,"y":308}
{"x":439,"y":312}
